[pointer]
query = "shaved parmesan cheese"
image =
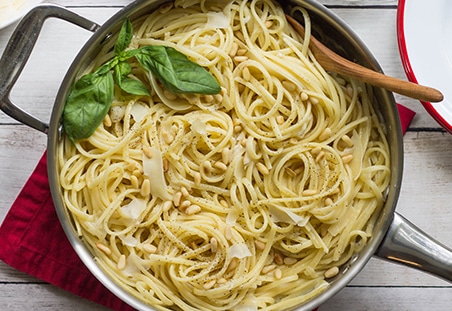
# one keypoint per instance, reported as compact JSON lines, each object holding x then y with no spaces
{"x":138,"y":112}
{"x":199,"y":127}
{"x":232,"y":216}
{"x":153,"y":169}
{"x":280,"y":214}
{"x":133,"y":210}
{"x":134,"y":264}
{"x":250,"y":303}
{"x":129,"y":240}
{"x":217,"y":20}
{"x":239,"y":251}
{"x":358,"y":152}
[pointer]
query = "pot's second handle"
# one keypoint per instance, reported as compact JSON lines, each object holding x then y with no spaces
{"x":406,"y":244}
{"x":19,"y":49}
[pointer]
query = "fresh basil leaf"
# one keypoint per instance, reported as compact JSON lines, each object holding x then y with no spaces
{"x":124,"y":38}
{"x":87,"y":104}
{"x":134,"y":87}
{"x":176,"y":72}
{"x":128,"y":85}
{"x":128,"y":54}
{"x":121,"y":70}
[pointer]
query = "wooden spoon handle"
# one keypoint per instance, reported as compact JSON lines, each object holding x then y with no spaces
{"x":406,"y":88}
{"x":331,"y":61}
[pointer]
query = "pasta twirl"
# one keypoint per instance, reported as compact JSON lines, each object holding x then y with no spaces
{"x":240,"y":200}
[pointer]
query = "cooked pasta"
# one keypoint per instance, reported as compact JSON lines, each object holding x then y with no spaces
{"x":245,"y":200}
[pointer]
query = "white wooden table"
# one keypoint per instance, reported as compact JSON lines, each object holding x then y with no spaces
{"x":426,"y":190}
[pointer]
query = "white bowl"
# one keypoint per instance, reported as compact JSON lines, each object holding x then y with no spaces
{"x":11,"y":14}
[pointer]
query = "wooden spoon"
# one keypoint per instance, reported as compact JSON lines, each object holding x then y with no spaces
{"x":331,"y":61}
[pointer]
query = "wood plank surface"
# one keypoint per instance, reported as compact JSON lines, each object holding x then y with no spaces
{"x":424,"y":199}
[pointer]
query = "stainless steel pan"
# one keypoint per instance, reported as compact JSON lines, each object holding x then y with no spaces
{"x":395,"y":238}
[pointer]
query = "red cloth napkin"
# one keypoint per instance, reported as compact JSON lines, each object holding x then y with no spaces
{"x":32,"y":239}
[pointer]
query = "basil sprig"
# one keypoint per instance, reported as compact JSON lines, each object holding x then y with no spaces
{"x":91,"y":96}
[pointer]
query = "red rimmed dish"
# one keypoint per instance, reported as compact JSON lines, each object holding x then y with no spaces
{"x":426,"y":51}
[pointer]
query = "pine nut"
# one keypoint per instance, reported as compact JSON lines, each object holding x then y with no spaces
{"x":268,"y":24}
{"x":209,"y":98}
{"x":119,"y":131}
{"x":278,"y":259}
{"x":131,"y":167}
{"x":280,"y":120}
{"x":331,"y":272}
{"x":167,"y":205}
{"x":213,"y":245}
{"x":234,"y":49}
{"x":233,"y":264}
{"x":314,"y":100}
{"x":121,"y":265}
{"x":145,"y":187}
{"x":197,"y":178}
{"x":290,"y":172}
{"x":309,"y":192}
{"x":165,"y":164}
{"x":241,"y":52}
{"x":192,"y":209}
{"x":184,"y":204}
{"x":347,"y":140}
{"x":259,"y":245}
{"x":347,"y":158}
{"x":177,"y":197}
{"x":224,"y":203}
{"x":134,"y":181}
{"x":240,"y":59}
{"x":221,"y":166}
{"x":278,"y":274}
{"x":349,"y":90}
{"x":268,"y":268}
{"x":207,"y":166}
{"x":328,"y":202}
{"x":290,"y":261}
{"x":149,"y":248}
{"x":246,"y":74}
{"x":218,"y":98}
{"x":320,"y":156}
{"x":222,"y":281}
{"x":168,"y":138}
{"x":304,"y":97}
{"x":147,"y":151}
{"x":107,"y":121}
{"x":226,"y":156}
{"x":184,"y":192}
{"x":290,"y":86}
{"x":210,"y":284}
{"x":228,"y":232}
{"x":316,"y":150}
{"x":239,"y":35}
{"x":103,"y":248}
{"x":325,"y":134}
{"x":262,"y":168}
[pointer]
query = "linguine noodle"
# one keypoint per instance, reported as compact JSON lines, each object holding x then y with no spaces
{"x":245,"y":200}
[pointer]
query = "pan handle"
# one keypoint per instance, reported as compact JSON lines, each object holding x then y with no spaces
{"x":407,"y":244}
{"x":19,"y":49}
